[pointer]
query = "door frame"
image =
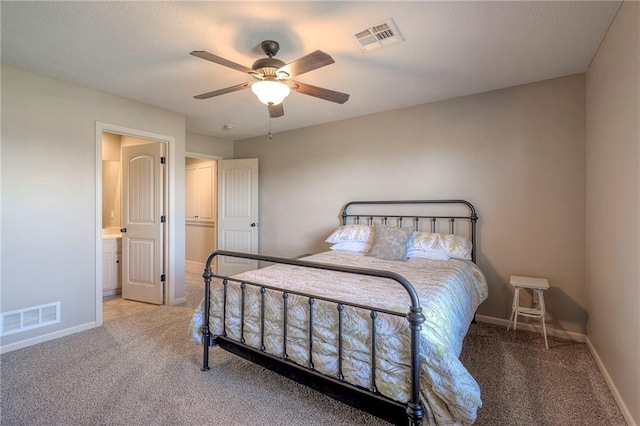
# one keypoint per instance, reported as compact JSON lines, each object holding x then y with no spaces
{"x":170,"y":208}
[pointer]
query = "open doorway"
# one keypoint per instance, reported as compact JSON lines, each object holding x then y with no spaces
{"x":200,"y":210}
{"x":133,"y":243}
{"x":221,"y":212}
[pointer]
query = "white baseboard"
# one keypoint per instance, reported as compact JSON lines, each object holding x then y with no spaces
{"x":113,"y":292}
{"x":551,"y":331}
{"x":607,"y":378}
{"x":179,"y":300}
{"x":46,"y":337}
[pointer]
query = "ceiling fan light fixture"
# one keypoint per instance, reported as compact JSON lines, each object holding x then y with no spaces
{"x":270,"y":92}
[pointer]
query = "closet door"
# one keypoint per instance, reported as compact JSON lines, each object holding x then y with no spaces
{"x":199,"y":192}
{"x":205,"y":178}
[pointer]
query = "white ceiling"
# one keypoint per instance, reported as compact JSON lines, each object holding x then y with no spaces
{"x":140,"y":51}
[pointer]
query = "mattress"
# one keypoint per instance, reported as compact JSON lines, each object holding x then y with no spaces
{"x":449,"y":292}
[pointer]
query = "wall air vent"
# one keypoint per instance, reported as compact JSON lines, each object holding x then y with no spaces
{"x":29,"y":318}
{"x":379,"y":35}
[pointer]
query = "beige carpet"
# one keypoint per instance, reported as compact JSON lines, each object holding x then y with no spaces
{"x":522,"y":383}
{"x":142,"y":370}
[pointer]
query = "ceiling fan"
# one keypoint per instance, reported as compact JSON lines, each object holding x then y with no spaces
{"x":273,"y":77}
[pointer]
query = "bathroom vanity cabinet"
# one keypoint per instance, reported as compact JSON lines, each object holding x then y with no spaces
{"x":111,"y":266}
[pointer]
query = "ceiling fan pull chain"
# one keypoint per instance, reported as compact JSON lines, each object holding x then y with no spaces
{"x":270,"y":135}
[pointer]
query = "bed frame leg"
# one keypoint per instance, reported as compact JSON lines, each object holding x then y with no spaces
{"x":206,"y":338}
{"x":206,"y":342}
{"x":205,"y":346}
{"x":415,"y":413}
{"x":415,"y":410}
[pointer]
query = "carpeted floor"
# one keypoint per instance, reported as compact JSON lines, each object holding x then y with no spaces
{"x":522,"y":383}
{"x":142,"y":370}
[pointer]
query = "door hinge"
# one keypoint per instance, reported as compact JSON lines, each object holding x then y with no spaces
{"x":163,"y":160}
{"x":163,"y":219}
{"x":162,"y":278}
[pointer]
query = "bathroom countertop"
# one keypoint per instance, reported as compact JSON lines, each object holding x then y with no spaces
{"x":111,"y":236}
{"x":111,"y":233}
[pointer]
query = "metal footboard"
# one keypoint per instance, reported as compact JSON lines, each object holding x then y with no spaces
{"x":414,"y":409}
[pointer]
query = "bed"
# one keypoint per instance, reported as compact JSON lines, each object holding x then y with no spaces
{"x":377,"y":330}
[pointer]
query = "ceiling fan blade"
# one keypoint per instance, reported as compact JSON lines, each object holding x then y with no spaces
{"x":221,"y":61}
{"x":223,"y":91}
{"x":276,"y":111}
{"x":319,"y":92}
{"x":310,"y":62}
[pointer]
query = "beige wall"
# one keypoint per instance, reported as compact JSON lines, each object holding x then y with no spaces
{"x":111,"y":145}
{"x":49,"y":194}
{"x":209,"y":145}
{"x":201,"y":240}
{"x":613,"y":204}
{"x":516,"y":154}
{"x":111,"y":180}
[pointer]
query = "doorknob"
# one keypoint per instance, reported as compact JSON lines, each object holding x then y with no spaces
{"x":123,"y":230}
{"x":254,"y":224}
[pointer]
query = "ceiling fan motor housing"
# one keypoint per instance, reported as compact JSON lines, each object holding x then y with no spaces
{"x":267,"y":66}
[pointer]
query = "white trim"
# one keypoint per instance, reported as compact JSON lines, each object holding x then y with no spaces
{"x":46,"y":337}
{"x":200,"y":224}
{"x":98,"y":222}
{"x":607,"y":378}
{"x":191,"y":154}
{"x":171,"y":213}
{"x":179,"y":300}
{"x":551,"y":331}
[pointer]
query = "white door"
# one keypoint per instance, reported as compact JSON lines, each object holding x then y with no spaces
{"x":237,"y":213}
{"x":142,"y":221}
{"x":206,"y":177}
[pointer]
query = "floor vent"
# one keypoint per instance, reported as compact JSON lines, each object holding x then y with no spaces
{"x":29,"y":318}
{"x":379,"y":35}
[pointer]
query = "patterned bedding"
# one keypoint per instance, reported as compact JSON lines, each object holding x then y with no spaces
{"x":449,"y":292}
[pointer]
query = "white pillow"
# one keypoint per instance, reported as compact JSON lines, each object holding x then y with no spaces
{"x":452,"y":245}
{"x":362,"y":233}
{"x":352,"y":246}
{"x":427,"y":254}
{"x":456,"y":246}
{"x":423,"y":240}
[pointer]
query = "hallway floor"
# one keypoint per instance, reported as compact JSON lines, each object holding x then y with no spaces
{"x":116,"y":307}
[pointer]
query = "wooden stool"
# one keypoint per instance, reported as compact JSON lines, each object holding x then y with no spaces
{"x":538,"y":285}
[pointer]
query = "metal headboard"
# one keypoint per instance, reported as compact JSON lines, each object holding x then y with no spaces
{"x":413,"y":219}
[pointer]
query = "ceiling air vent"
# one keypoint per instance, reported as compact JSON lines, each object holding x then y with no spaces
{"x":379,"y":35}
